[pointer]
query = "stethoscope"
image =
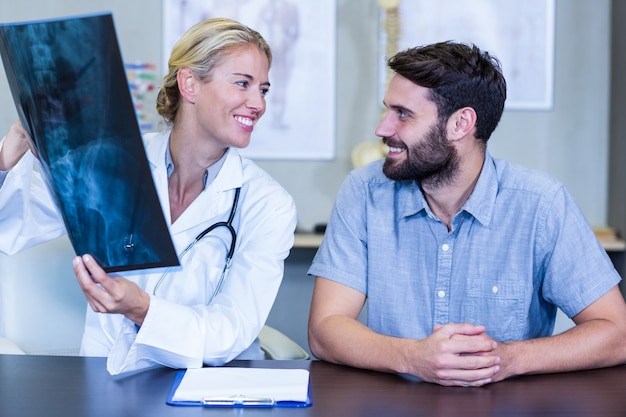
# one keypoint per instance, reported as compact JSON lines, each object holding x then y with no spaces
{"x":229,"y":255}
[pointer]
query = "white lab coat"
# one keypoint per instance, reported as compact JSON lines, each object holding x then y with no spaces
{"x":179,"y":330}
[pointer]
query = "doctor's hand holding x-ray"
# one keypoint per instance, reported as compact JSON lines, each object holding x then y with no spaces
{"x":110,"y":295}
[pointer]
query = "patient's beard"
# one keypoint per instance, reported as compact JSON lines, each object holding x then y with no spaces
{"x":433,"y":162}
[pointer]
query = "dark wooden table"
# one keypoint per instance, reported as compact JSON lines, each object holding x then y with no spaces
{"x":80,"y":387}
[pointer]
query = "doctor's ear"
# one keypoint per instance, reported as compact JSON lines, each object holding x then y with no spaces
{"x":186,"y":84}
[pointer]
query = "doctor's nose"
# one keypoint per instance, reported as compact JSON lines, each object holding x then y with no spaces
{"x":256,"y":103}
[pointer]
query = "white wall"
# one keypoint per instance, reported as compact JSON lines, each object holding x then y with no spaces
{"x":570,"y":141}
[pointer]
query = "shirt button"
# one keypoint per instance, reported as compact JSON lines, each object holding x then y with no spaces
{"x":445,"y":247}
{"x":494,"y":289}
{"x":441,"y":294}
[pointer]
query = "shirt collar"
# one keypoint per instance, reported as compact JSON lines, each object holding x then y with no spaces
{"x":209,"y":175}
{"x":482,"y":201}
{"x":480,"y":204}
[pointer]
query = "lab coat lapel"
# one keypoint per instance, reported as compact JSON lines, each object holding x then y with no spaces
{"x":214,"y":203}
{"x":155,"y":151}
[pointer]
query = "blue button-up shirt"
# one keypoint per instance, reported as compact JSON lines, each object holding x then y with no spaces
{"x":517,"y":249}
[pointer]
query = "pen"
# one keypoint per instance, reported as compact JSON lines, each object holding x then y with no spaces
{"x":237,"y":401}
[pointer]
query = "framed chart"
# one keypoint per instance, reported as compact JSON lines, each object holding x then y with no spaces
{"x":300,"y":119}
{"x":520,"y":34}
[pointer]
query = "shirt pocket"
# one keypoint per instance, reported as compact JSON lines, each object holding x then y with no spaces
{"x":497,"y":305}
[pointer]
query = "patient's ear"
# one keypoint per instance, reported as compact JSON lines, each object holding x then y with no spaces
{"x":461,"y":124}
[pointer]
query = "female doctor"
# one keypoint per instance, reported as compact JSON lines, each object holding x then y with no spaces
{"x":203,"y":312}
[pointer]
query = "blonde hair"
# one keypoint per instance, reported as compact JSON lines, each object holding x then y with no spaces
{"x":200,"y":49}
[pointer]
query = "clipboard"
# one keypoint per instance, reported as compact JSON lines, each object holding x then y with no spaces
{"x":235,"y":401}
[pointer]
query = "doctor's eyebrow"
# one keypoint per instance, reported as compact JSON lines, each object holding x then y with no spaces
{"x":251,"y":78}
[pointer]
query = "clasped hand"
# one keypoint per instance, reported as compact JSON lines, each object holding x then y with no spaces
{"x":110,"y":295}
{"x":459,"y":355}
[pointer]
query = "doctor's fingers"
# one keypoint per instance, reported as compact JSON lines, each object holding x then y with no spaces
{"x":90,"y":288}
{"x":82,"y":275}
{"x":95,"y":304}
{"x":87,"y":271}
{"x":93,"y":280}
{"x":101,"y":299}
{"x":19,"y":138}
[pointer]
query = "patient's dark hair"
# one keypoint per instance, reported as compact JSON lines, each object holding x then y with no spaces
{"x":458,"y":75}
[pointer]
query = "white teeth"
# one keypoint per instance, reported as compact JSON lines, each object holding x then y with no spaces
{"x":395,"y":150}
{"x":244,"y":120}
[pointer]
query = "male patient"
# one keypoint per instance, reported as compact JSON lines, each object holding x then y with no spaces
{"x":462,"y":258}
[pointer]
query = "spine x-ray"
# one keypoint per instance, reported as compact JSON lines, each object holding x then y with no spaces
{"x":70,"y":89}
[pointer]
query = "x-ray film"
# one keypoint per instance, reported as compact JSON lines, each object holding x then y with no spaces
{"x":70,"y":89}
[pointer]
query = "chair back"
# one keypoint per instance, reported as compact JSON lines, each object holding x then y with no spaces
{"x":42,"y":308}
